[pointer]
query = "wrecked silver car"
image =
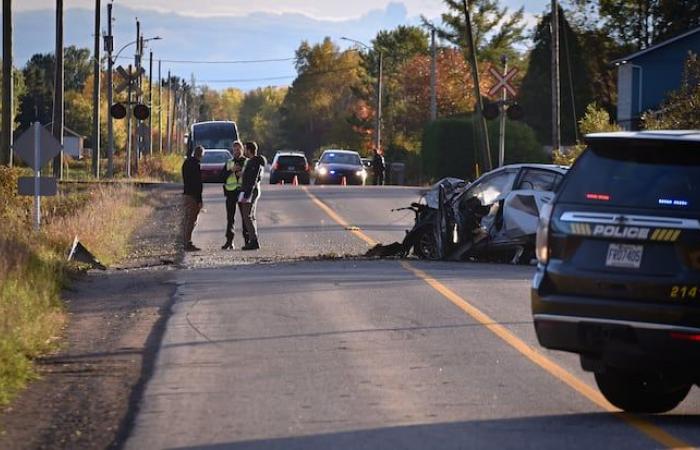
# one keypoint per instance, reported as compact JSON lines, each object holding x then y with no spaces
{"x":493,"y":218}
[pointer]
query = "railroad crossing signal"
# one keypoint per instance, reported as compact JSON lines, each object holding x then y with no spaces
{"x":129,"y":79}
{"x":503,"y":81}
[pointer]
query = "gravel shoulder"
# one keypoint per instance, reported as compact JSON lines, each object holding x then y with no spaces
{"x":87,"y":392}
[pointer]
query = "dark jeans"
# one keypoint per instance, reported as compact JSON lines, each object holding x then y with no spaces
{"x":379,"y":177}
{"x":231,"y":201}
{"x":248,"y":210}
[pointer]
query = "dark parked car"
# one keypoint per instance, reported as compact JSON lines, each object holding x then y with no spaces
{"x":336,"y":165}
{"x":212,"y":164}
{"x":618,"y":279}
{"x":289,"y":164}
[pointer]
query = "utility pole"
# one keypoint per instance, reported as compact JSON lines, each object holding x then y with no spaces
{"x":556,"y":94}
{"x":137,"y":66}
{"x":379,"y":101}
{"x":471,"y":50}
{"x":169,"y":119}
{"x":109,"y":46}
{"x":129,"y":110}
{"x":96,"y":97}
{"x":433,"y":76}
{"x":7,"y":85}
{"x":150,"y":100}
{"x":58,"y":91}
{"x":502,"y":128}
{"x":160,"y":110}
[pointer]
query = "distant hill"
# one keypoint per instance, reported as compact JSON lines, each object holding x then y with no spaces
{"x":255,"y":36}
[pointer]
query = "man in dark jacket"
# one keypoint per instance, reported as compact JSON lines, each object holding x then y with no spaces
{"x":192,"y":198}
{"x":250,"y":193}
{"x":378,"y":167}
{"x":232,"y":174}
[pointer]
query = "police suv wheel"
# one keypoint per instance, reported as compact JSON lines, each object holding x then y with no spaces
{"x":639,"y":392}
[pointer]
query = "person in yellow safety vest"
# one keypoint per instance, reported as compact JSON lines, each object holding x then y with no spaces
{"x":232,"y":187}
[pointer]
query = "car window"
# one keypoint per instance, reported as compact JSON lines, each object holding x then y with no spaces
{"x":644,"y":176}
{"x":215,"y":157}
{"x":489,"y":188}
{"x":539,"y":180}
{"x":340,"y":158}
{"x":290,"y":160}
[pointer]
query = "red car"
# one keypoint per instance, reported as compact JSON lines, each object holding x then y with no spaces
{"x":212,"y":164}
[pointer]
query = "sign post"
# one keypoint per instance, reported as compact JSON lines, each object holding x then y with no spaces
{"x":36,"y":147}
{"x":502,"y":85}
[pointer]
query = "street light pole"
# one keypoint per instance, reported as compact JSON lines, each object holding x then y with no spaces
{"x":556,"y":115}
{"x":433,"y":75}
{"x":150,"y":101}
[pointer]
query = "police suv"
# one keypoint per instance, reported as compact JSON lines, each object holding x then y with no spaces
{"x":618,"y":276}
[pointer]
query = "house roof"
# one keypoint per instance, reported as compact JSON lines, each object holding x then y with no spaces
{"x":655,"y":47}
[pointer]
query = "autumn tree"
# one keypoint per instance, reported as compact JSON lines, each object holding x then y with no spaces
{"x":317,"y":107}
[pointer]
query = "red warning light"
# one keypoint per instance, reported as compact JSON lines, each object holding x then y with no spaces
{"x":601,"y":197}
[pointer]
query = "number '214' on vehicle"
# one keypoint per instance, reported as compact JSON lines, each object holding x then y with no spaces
{"x":618,"y":276}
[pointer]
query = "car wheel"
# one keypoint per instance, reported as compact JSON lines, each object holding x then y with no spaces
{"x":425,"y":246}
{"x":642,"y":392}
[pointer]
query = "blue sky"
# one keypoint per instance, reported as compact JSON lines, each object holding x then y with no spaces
{"x":227,"y":30}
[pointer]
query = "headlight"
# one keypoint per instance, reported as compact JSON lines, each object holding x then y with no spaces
{"x":542,"y":238}
{"x":322,"y":171}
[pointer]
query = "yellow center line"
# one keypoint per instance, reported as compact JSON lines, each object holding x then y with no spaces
{"x":649,"y":429}
{"x":338,"y":219}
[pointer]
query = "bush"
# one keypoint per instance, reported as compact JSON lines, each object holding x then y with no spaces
{"x":33,"y":266}
{"x":450,"y":146}
{"x":166,"y":167}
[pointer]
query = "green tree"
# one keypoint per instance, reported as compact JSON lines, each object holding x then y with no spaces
{"x":596,"y":120}
{"x":496,"y":30}
{"x":260,"y":118}
{"x":536,"y":84}
{"x":637,"y":24}
{"x":321,"y":100}
{"x":681,"y":109}
{"x":18,"y":90}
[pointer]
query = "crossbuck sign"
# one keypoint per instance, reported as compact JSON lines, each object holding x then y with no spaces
{"x":502,"y":81}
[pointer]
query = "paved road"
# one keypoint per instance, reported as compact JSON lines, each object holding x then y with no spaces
{"x":277,"y":351}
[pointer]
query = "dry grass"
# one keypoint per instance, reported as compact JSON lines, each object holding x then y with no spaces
{"x":33,"y":265}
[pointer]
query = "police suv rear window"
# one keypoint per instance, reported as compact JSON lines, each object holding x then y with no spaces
{"x":647,"y":176}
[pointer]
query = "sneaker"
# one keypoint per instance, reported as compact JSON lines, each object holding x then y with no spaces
{"x":191,"y":248}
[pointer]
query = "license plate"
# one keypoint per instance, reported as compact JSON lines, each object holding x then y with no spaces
{"x":291,"y":168}
{"x":624,"y":255}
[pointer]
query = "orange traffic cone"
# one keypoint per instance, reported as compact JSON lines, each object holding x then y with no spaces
{"x":295,"y":181}
{"x":344,"y":181}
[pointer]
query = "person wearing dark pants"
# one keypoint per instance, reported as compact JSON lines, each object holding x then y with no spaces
{"x":379,"y":167}
{"x":192,"y":198}
{"x":232,"y":188}
{"x":250,"y":193}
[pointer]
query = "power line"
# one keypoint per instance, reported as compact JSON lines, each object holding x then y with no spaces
{"x":285,"y":77}
{"x":241,"y":61}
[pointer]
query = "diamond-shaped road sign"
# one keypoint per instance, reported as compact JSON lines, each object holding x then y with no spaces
{"x":49,"y":147}
{"x":502,"y":81}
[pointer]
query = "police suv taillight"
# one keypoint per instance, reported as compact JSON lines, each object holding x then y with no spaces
{"x":542,"y":238}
